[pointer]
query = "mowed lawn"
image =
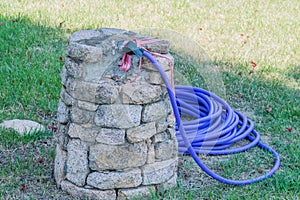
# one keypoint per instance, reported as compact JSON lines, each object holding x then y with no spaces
{"x":254,"y":50}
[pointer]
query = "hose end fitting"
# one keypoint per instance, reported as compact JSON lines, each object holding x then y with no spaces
{"x":132,"y":48}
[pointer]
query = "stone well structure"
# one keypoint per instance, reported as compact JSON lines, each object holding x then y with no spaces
{"x":116,"y":136}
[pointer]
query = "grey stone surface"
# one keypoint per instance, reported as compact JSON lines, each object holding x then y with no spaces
{"x":65,"y":97}
{"x":87,"y":106}
{"x":82,"y":90}
{"x":61,"y":136}
{"x":82,"y":52}
{"x":64,"y":76}
{"x":154,"y":112}
{"x":171,"y":121}
{"x":108,"y":157}
{"x":172,"y":133}
{"x":73,"y":68}
{"x":60,"y":165}
{"x":164,"y":63}
{"x":160,"y":137}
{"x":161,"y":46}
{"x":22,"y":126}
{"x":165,"y":150}
{"x":150,"y":152}
{"x":84,"y":35}
{"x":118,"y":116}
{"x":140,"y":93}
{"x":86,"y":134}
{"x":161,"y":125}
{"x":115,"y":179}
{"x":107,"y":92}
{"x":141,"y":133}
{"x":91,"y":134}
{"x":135,"y":193}
{"x":90,"y":194}
{"x":81,"y":116}
{"x":95,"y":71}
{"x":63,"y":113}
{"x":112,"y":31}
{"x":158,"y":172}
{"x":156,"y":78}
{"x":77,"y":162}
{"x":111,"y":136}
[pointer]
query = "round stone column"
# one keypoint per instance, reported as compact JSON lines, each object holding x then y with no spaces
{"x":116,"y":136}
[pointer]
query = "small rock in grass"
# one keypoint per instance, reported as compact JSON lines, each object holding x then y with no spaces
{"x":22,"y":126}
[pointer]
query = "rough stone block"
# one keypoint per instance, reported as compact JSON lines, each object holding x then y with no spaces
{"x":111,"y":136}
{"x":164,"y":63}
{"x":165,"y":150}
{"x":73,"y":68}
{"x":168,"y":105}
{"x":158,"y":172}
{"x":140,"y":93}
{"x":115,"y":179}
{"x":65,"y":97}
{"x":172,"y":133}
{"x":150,"y":152}
{"x":135,"y":193}
{"x":61,"y":136}
{"x":81,"y":90}
{"x":161,"y":46}
{"x":118,"y":116}
{"x":90,"y":194}
{"x":156,"y":78}
{"x":77,"y":162}
{"x":81,"y":116}
{"x":95,"y":71}
{"x":86,"y":134}
{"x":86,"y":53}
{"x":91,"y":134}
{"x":60,"y":165}
{"x":141,"y":133}
{"x":108,"y":157}
{"x":84,"y":35}
{"x":107,"y":92}
{"x":63,"y":115}
{"x":154,"y":112}
{"x":64,"y":76}
{"x":171,"y":121}
{"x":87,"y":106}
{"x":161,"y":125}
{"x":160,"y":137}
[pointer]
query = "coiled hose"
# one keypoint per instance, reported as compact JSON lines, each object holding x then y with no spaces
{"x":214,"y":127}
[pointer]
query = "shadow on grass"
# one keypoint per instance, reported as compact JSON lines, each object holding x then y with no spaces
{"x":30,"y":85}
{"x":29,"y":68}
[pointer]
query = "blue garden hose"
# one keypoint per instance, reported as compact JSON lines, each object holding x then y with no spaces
{"x":214,"y":126}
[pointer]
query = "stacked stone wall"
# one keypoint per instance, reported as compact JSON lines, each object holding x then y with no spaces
{"x":116,"y":136}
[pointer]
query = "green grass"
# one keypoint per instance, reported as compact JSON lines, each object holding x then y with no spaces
{"x":34,"y":34}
